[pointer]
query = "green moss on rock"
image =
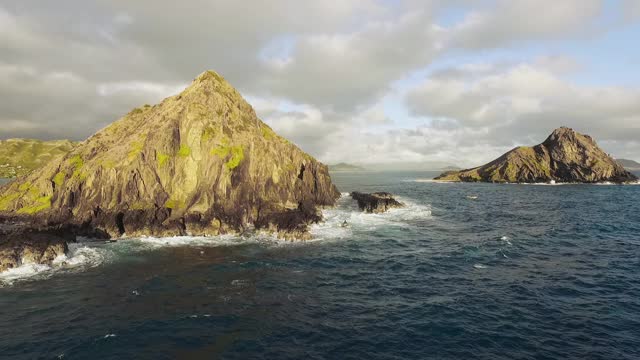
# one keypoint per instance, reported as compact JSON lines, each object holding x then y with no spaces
{"x":162,"y":159}
{"x":174,"y":204}
{"x":184,"y":151}
{"x":59,"y":178}
{"x":40,"y":204}
{"x":237,"y":155}
{"x":136,"y":149}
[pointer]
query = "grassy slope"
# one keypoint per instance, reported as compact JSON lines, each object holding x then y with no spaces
{"x":21,"y":156}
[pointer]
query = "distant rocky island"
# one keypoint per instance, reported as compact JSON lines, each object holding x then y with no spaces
{"x":345,"y":167}
{"x":629,"y":164}
{"x":566,"y":156}
{"x":19,"y":157}
{"x":198,"y":163}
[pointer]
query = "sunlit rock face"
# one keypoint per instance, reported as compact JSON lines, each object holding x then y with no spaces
{"x":198,"y":163}
{"x":566,"y":156}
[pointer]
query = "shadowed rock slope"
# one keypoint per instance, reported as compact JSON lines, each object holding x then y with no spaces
{"x":566,"y":156}
{"x":19,"y":157}
{"x":199,"y":163}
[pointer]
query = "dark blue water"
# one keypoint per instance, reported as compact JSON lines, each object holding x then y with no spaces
{"x":521,"y":272}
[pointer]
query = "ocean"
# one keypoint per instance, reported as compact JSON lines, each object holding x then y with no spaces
{"x":464,"y":271}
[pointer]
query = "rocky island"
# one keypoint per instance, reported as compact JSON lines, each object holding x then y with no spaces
{"x":566,"y":156}
{"x":198,"y":163}
{"x":19,"y":157}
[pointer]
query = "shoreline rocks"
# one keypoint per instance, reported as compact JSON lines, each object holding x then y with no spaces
{"x":30,"y":247}
{"x":376,"y":203}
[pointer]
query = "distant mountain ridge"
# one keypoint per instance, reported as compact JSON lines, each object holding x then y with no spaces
{"x":345,"y":167}
{"x":565,"y":156}
{"x":19,"y":157}
{"x":629,"y":164}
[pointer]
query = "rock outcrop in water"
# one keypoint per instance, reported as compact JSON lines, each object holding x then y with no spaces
{"x":18,"y":248}
{"x":19,"y":157}
{"x":565,"y":156}
{"x":199,"y":163}
{"x":375,"y":203}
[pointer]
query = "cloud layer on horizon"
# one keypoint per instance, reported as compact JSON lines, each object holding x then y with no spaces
{"x":361,"y":81}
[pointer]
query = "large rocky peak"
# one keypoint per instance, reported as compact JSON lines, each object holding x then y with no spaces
{"x":198,"y":163}
{"x":565,"y":156}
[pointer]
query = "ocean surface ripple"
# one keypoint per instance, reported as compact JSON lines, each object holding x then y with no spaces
{"x":464,"y":271}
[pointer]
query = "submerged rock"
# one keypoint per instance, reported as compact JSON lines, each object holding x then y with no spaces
{"x":198,"y":163}
{"x":376,"y":203}
{"x":19,"y":248}
{"x":566,"y":156}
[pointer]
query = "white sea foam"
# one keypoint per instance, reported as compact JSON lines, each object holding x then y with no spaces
{"x":177,"y":241}
{"x":80,"y":257}
{"x":480,"y":266}
{"x":83,"y":255}
{"x":347,"y":210}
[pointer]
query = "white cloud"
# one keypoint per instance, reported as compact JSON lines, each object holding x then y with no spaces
{"x":523,"y":103}
{"x":321,"y":72}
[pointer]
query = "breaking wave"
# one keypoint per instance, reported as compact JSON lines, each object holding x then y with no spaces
{"x":334,"y":226}
{"x":79,"y":258}
{"x":86,"y":254}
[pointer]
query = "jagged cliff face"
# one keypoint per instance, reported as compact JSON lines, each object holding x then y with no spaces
{"x":19,"y":157}
{"x":198,"y":163}
{"x":566,"y":156}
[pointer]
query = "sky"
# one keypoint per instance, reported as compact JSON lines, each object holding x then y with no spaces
{"x":395,"y":83}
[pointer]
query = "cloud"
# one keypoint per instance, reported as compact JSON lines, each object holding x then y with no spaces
{"x":631,"y":10}
{"x":65,"y":105}
{"x":524,"y":103}
{"x":344,"y":70}
{"x":510,"y":21}
{"x":329,"y":75}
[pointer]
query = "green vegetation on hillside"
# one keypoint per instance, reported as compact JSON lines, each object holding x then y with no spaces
{"x":21,"y":156}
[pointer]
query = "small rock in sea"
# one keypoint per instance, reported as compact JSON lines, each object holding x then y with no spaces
{"x":376,"y":203}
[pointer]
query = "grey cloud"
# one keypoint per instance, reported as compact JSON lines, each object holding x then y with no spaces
{"x":509,"y":21}
{"x":343,"y":70}
{"x":60,"y":104}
